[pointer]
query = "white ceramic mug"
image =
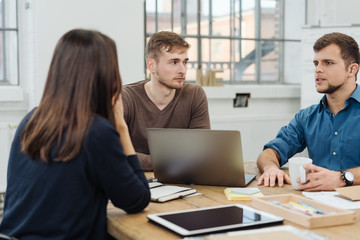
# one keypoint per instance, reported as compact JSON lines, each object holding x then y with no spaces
{"x":296,"y":170}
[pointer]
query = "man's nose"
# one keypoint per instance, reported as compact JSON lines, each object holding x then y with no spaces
{"x":318,"y":68}
{"x":182,"y":68}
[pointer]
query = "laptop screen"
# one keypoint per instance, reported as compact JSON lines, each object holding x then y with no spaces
{"x":197,"y":156}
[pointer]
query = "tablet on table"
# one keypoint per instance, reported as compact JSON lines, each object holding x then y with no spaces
{"x":213,"y":219}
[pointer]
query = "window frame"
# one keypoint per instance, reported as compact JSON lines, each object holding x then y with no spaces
{"x":5,"y":82}
{"x":281,"y":41}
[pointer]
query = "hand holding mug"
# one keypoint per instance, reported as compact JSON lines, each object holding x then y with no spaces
{"x":296,"y":170}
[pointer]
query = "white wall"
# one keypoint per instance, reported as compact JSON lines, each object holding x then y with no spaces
{"x":51,"y":19}
{"x":333,"y":12}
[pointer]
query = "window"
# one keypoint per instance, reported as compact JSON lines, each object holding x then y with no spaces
{"x":243,"y":39}
{"x":8,"y":43}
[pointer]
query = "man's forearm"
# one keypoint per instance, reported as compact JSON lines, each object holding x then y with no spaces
{"x":268,"y":158}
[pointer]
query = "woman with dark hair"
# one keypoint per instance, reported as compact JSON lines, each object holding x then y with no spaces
{"x":73,"y":153}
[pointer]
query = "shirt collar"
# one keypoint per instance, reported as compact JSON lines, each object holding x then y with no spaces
{"x":323,"y":102}
{"x":355,"y":95}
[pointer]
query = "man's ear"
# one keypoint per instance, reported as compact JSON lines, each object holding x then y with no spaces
{"x":354,"y":68}
{"x":151,"y":64}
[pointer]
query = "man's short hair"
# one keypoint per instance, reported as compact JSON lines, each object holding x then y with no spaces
{"x":167,"y":41}
{"x":348,"y":46}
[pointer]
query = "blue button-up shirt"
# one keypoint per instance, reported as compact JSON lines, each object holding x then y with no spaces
{"x":333,"y":142}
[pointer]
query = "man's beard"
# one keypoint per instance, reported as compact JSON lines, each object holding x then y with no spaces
{"x":170,"y":86}
{"x":331,"y":89}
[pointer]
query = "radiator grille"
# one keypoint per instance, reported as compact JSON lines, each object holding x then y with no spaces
{"x":7,"y":131}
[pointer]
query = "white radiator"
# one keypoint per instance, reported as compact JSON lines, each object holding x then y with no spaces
{"x":7,"y":131}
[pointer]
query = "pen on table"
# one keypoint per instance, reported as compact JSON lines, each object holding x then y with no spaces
{"x":297,"y":208}
{"x":152,"y":180}
{"x":310,"y":207}
{"x":300,"y":207}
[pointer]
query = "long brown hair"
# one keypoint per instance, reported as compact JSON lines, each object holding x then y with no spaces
{"x":83,"y":79}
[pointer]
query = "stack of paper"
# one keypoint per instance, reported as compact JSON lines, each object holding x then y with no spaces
{"x":333,"y":199}
{"x":242,"y":193}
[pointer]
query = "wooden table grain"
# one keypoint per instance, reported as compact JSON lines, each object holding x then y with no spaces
{"x":137,"y":226}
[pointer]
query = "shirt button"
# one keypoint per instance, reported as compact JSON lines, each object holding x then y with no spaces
{"x":334,"y":153}
{"x":336,"y":133}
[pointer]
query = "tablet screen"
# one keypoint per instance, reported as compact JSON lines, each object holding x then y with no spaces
{"x":204,"y":220}
{"x":214,"y":218}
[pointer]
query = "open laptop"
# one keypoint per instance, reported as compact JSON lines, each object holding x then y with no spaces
{"x":197,"y":156}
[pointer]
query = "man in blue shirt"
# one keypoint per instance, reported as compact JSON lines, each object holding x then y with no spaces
{"x":330,"y":130}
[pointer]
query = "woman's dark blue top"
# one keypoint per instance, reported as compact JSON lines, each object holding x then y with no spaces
{"x":67,"y":200}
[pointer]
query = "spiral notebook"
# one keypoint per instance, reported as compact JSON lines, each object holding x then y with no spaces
{"x":163,"y":193}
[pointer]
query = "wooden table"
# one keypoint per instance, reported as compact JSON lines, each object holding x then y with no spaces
{"x":136,"y":226}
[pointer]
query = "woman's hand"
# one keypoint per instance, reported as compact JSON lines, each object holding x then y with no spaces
{"x":122,"y":127}
{"x":119,"y":113}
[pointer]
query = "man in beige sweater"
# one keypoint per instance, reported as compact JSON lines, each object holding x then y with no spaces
{"x":164,"y":101}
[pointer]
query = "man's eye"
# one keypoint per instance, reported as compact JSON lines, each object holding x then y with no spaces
{"x":329,"y":63}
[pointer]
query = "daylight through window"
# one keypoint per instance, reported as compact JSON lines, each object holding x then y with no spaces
{"x":241,"y":39}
